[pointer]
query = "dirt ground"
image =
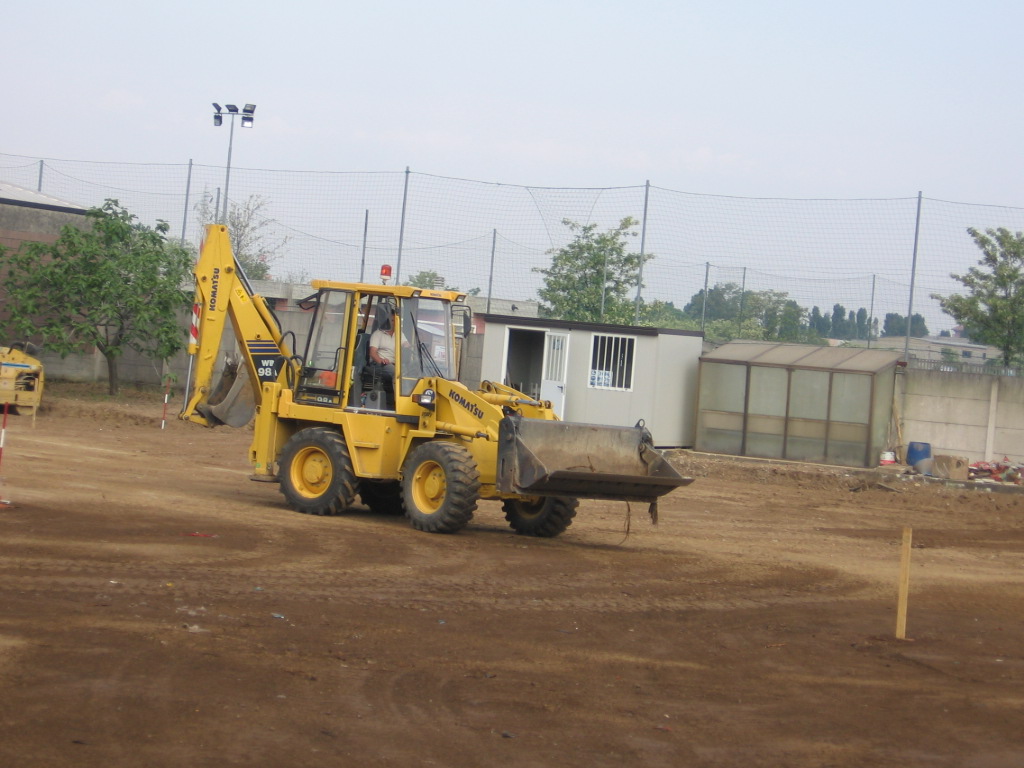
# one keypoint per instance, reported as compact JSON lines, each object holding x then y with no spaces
{"x":159,"y":609}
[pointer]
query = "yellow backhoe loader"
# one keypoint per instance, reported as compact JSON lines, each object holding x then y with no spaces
{"x":408,"y":438}
{"x":21,"y":379}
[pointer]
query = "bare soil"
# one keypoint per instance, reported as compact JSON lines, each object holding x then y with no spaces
{"x":159,"y":609}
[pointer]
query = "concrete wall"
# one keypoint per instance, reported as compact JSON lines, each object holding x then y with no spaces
{"x":134,"y":368}
{"x":90,"y":366}
{"x":961,"y":414}
{"x":32,"y":224}
{"x":19,"y":223}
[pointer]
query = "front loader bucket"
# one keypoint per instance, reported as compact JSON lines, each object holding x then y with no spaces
{"x":537,"y":457}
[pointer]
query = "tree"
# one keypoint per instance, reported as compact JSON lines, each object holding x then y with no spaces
{"x":791,"y":323}
{"x":590,"y":278}
{"x":732,"y":313}
{"x":115,"y":286}
{"x":253,"y":245}
{"x":839,"y":323}
{"x":723,"y":303}
{"x":728,"y":330}
{"x":950,"y":358}
{"x":766,"y":307}
{"x":761,"y":315}
{"x":429,"y":279}
{"x":895,"y":324}
{"x":918,"y":328}
{"x":664,"y":314}
{"x":863,"y":329}
{"x":993,"y":307}
{"x":821,"y":324}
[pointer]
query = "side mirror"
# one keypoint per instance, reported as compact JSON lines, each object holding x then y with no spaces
{"x":464,"y":316}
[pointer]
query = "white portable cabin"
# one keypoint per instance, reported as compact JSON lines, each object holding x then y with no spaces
{"x":596,"y":373}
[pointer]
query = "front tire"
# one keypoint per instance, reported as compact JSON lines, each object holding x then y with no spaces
{"x":316,"y":472}
{"x":545,"y":517}
{"x":440,"y":487}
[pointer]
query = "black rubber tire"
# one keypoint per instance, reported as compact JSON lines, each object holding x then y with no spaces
{"x":546,"y":517}
{"x":440,"y":487}
{"x":382,"y":497}
{"x":316,"y":474}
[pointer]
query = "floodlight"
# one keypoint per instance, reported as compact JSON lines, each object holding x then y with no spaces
{"x":218,"y":119}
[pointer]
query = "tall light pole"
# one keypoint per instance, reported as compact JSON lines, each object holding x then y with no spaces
{"x":218,"y":119}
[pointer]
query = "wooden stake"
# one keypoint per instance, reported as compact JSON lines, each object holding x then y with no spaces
{"x":901,"y":609}
{"x":3,"y":434}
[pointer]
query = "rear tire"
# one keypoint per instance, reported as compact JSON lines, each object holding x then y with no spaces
{"x":384,"y":498}
{"x":316,"y":472}
{"x":440,"y":487}
{"x":546,"y":517}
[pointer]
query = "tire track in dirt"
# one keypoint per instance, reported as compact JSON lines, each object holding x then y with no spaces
{"x":399,"y":586}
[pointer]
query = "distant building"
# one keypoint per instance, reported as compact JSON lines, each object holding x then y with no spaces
{"x":929,"y":349}
{"x":28,"y":216}
{"x":32,"y":217}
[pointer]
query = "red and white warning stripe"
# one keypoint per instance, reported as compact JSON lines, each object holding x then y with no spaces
{"x":193,"y":331}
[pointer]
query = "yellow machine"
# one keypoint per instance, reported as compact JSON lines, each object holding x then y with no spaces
{"x":21,"y":379}
{"x":329,"y":425}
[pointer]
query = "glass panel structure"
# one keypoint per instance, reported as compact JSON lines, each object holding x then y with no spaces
{"x":796,"y":402}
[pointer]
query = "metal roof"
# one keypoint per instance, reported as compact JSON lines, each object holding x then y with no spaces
{"x":580,"y":325}
{"x":849,"y":359}
{"x":12,"y":193}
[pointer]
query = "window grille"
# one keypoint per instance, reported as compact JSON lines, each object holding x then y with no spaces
{"x":611,"y":362}
{"x":555,"y":367}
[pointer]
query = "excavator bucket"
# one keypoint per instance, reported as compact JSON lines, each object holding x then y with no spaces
{"x":537,"y":457}
{"x":232,"y":401}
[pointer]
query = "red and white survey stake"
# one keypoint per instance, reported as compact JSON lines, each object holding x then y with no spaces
{"x":167,"y":396}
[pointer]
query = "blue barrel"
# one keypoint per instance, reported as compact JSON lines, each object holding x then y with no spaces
{"x":918,"y":451}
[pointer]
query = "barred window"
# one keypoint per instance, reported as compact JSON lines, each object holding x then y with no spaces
{"x":611,"y":362}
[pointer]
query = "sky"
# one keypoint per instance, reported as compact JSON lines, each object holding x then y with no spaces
{"x":793,"y":99}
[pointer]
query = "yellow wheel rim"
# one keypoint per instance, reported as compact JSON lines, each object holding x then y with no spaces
{"x":311,"y":472}
{"x":429,"y":487}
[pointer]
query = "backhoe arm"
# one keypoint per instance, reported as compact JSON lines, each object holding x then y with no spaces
{"x":223,"y":294}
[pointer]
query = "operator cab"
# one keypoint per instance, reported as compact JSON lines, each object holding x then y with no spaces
{"x":337,"y":369}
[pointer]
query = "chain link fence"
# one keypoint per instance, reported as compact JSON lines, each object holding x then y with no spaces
{"x":859,"y":253}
